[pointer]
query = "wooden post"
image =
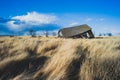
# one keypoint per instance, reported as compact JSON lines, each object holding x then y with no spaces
{"x":91,"y":34}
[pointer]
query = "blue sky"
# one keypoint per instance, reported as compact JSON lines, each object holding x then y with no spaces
{"x":18,"y":16}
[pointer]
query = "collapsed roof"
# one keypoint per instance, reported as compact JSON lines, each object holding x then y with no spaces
{"x":76,"y":30}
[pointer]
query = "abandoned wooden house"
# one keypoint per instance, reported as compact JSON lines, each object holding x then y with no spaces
{"x":81,"y":31}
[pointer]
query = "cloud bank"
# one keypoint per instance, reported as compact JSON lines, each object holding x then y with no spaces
{"x":31,"y":19}
{"x":35,"y":18}
{"x":53,"y":22}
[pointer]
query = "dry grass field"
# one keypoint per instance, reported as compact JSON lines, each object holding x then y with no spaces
{"x":39,"y":58}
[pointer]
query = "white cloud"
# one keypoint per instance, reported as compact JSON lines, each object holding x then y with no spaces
{"x":101,"y":19}
{"x":13,"y":26}
{"x":30,"y":19}
{"x":35,"y":18}
{"x":112,"y":30}
{"x":88,"y":19}
{"x":73,"y":24}
{"x":93,"y":19}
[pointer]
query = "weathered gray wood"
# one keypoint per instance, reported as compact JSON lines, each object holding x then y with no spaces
{"x":77,"y":31}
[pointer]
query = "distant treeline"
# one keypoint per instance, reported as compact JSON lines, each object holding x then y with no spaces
{"x":6,"y":35}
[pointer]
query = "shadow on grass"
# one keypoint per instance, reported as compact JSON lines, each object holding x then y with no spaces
{"x":15,"y":68}
{"x":73,"y":70}
{"x":32,"y":52}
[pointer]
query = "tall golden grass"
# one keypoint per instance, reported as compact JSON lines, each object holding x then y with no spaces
{"x":27,"y":58}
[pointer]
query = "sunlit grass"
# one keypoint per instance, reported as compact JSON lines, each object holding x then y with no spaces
{"x":41,"y":58}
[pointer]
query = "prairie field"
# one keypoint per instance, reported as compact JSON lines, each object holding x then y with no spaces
{"x":41,"y":58}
